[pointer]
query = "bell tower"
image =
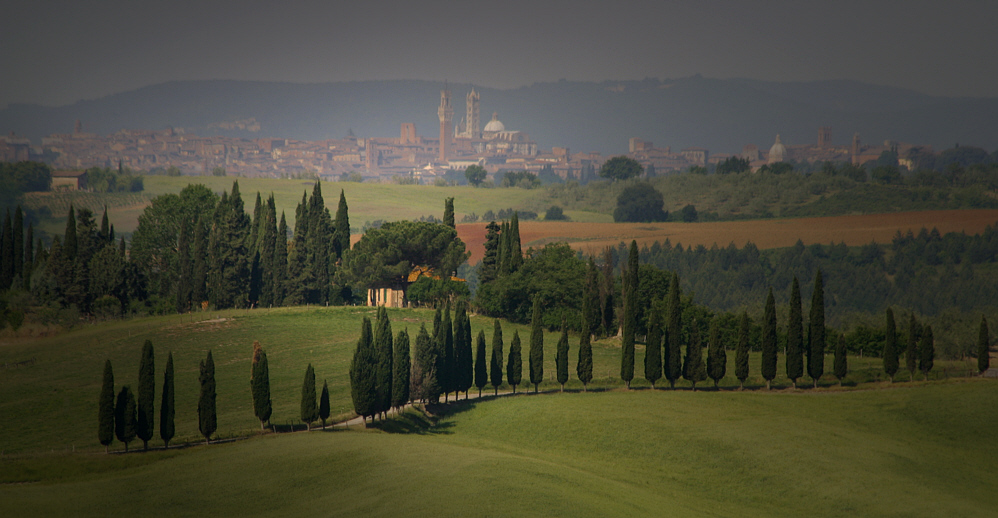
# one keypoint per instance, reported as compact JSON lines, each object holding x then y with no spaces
{"x":446,"y":114}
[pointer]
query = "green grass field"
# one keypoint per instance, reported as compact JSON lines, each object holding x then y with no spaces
{"x":367,"y":201}
{"x":914,"y":451}
{"x":52,"y":403}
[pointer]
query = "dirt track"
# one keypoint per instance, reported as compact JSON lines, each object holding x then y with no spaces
{"x":773,"y":233}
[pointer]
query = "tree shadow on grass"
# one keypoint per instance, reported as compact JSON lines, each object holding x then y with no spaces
{"x":428,"y":421}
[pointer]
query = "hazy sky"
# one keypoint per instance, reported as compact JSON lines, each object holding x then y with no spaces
{"x":57,"y":52}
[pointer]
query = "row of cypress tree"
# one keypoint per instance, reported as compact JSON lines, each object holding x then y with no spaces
{"x":129,"y":415}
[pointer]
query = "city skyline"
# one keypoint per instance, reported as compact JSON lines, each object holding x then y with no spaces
{"x":67,"y":51}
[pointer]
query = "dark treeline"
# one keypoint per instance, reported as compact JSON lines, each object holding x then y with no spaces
{"x":191,"y":250}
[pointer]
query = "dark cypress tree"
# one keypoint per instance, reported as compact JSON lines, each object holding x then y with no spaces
{"x":267,"y":241}
{"x":926,"y":352}
{"x":481,"y":371}
{"x":841,"y":366}
{"x":742,"y":351}
{"x":497,"y":357}
{"x":105,"y":408}
{"x":717,"y":358}
{"x":256,"y":224}
{"x":425,"y":370}
{"x":536,"y":345}
{"x":890,"y":347}
{"x":363,"y":373}
{"x":447,"y":374}
{"x":384,"y":346}
{"x":693,"y":367}
{"x":795,"y":336}
{"x":514,"y":366}
{"x":320,"y":229}
{"x":324,"y":404}
{"x":341,"y":234}
{"x":630,"y":297}
{"x":983,"y":347}
{"x":561,"y":355}
{"x":672,"y":363}
{"x":207,"y":418}
{"x":18,"y":244}
{"x":185,"y":267}
{"x":463,"y":360}
{"x":6,"y":253}
{"x":167,"y":408}
{"x":590,"y":298}
{"x":124,"y":416}
{"x":147,"y":394}
{"x":487,"y":272}
{"x":309,"y":406}
{"x":515,"y":252}
{"x":260,"y":385}
{"x":502,"y":250}
{"x":911,"y":352}
{"x":280,"y":262}
{"x":584,"y":369}
{"x":769,"y":350}
{"x":228,"y":258}
{"x":816,"y":362}
{"x":401,"y":368}
{"x":653,"y":345}
{"x":449,"y":212}
{"x":69,"y":241}
{"x":29,"y":258}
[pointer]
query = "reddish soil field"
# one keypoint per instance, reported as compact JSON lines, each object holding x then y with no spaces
{"x":774,"y":233}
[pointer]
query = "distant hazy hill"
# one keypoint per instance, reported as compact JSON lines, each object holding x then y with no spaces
{"x":721,"y":115}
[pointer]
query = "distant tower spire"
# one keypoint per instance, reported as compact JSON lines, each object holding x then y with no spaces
{"x":446,"y":114}
{"x":473,"y":128}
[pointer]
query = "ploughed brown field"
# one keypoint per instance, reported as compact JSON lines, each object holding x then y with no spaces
{"x":772,"y":233}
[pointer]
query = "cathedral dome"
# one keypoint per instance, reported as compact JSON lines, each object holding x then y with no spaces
{"x":777,"y":153}
{"x":494,"y":126}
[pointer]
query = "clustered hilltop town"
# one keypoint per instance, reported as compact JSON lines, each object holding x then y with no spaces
{"x":411,"y":155}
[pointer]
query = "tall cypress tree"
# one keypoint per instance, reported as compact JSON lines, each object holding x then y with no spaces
{"x":590,"y":298}
{"x":280,"y":262}
{"x":693,"y":367}
{"x":481,"y":370}
{"x":29,"y":258}
{"x":309,"y":406}
{"x":514,"y":366}
{"x":341,"y":234}
{"x":402,"y":369}
{"x":629,"y":278}
{"x":795,"y":336}
{"x":449,"y":212}
{"x":18,"y":244}
{"x":890,"y":346}
{"x":487,"y":272}
{"x":363,"y":373}
{"x":769,"y":351}
{"x":536,"y":345}
{"x":228,"y":258}
{"x":268,"y":241}
{"x":447,"y":374}
{"x":69,"y":242}
{"x":672,"y":362}
{"x":167,"y":408}
{"x":515,"y":252}
{"x":911,"y":352}
{"x":816,"y":362}
{"x":425,"y":369}
{"x":384,"y":345}
{"x":463,"y":360}
{"x":147,"y":394}
{"x":607,"y":303}
{"x":105,"y":408}
{"x":926,"y":352}
{"x":497,"y":357}
{"x":742,"y":351}
{"x":983,"y":346}
{"x":840,"y":366}
{"x":717,"y":358}
{"x":124,"y":416}
{"x":653,"y":345}
{"x":185,"y":267}
{"x":6,"y":253}
{"x":561,"y":355}
{"x":324,"y":404}
{"x":584,"y":369}
{"x":199,"y":259}
{"x":260,"y":385}
{"x":502,"y":250}
{"x":207,"y":418}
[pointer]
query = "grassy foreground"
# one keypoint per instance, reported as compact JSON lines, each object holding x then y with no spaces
{"x":918,"y":451}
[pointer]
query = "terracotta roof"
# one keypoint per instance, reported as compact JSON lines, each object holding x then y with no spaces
{"x":68,"y":174}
